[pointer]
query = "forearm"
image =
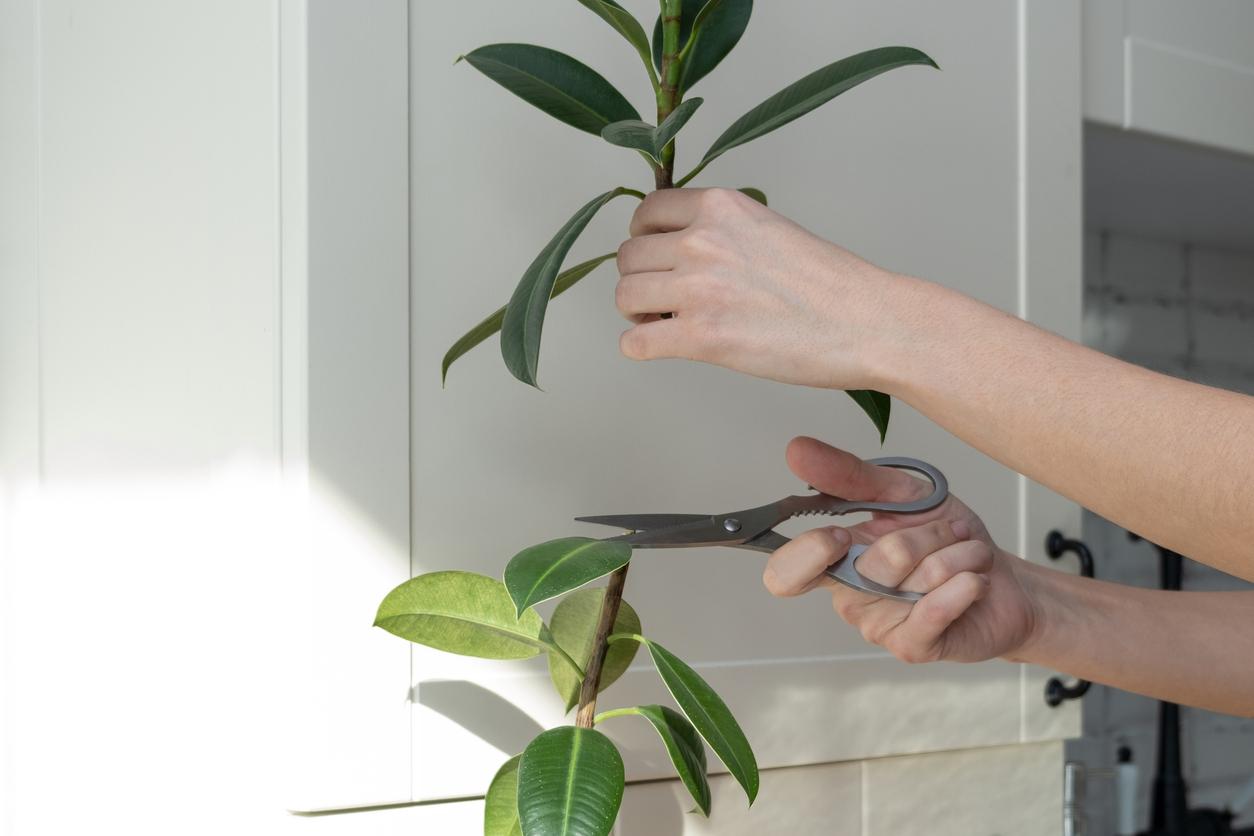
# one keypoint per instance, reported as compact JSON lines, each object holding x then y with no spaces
{"x":1193,"y":648}
{"x":1163,"y":457}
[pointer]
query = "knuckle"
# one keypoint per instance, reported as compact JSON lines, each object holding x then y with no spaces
{"x":895,"y":554}
{"x":820,"y":541}
{"x":846,"y":608}
{"x":936,"y":570}
{"x":720,"y":199}
{"x":698,"y":242}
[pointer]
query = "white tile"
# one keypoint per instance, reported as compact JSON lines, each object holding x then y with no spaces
{"x":1002,"y":791}
{"x":824,"y":800}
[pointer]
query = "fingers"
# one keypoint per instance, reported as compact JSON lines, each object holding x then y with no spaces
{"x":920,"y":638}
{"x":893,"y":557}
{"x":655,"y":339}
{"x":798,"y":566}
{"x":646,"y":293}
{"x":666,"y":210}
{"x":649,"y":253}
{"x":938,"y":567}
{"x":838,"y":473}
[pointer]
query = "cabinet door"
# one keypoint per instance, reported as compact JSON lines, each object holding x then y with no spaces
{"x":1185,"y":71}
{"x":968,"y":176}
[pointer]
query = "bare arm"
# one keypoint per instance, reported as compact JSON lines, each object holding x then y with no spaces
{"x":750,"y":290}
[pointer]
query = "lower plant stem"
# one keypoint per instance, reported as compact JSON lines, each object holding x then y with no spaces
{"x":605,"y":625}
{"x":668,"y":94}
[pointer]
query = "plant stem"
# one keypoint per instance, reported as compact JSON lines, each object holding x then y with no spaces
{"x":669,"y":94}
{"x":584,"y":718}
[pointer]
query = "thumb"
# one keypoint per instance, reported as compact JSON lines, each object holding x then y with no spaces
{"x":839,"y":473}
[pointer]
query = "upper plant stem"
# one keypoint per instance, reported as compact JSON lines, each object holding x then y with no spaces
{"x":669,"y":94}
{"x":585,"y":717}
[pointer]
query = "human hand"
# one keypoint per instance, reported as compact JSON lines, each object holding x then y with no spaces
{"x":752,"y":291}
{"x":975,"y":606}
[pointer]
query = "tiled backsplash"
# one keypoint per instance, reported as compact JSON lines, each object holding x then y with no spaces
{"x":1186,"y":310}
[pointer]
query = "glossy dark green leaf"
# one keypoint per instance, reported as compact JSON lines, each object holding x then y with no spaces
{"x":572,"y":626}
{"x":623,"y":22}
{"x":756,"y":194}
{"x":643,"y":137}
{"x":818,"y":88}
{"x":500,"y":805}
{"x":524,"y":315}
{"x":709,"y":714}
{"x":684,"y":746}
{"x":565,"y":280}
{"x":723,"y":24}
{"x":876,"y":405}
{"x":547,"y":570}
{"x":461,"y":612}
{"x":570,"y":783}
{"x":561,"y":86}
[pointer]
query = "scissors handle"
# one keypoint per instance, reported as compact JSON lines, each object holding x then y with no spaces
{"x":940,"y":490}
{"x":846,"y":572}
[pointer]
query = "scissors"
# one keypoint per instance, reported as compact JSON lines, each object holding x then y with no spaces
{"x":753,"y":528}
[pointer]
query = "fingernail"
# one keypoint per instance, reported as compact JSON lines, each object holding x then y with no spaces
{"x":962,"y":529}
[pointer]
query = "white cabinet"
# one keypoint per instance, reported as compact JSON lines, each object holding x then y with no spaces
{"x":1182,"y":70}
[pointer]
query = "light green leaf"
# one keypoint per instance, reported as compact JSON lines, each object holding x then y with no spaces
{"x":708,"y":713}
{"x":818,"y":88}
{"x":500,"y":805}
{"x":570,"y":783}
{"x":572,"y":626}
{"x":683,"y":744}
{"x":722,"y":24}
{"x":876,"y":405}
{"x":524,"y":315}
{"x":756,"y":194}
{"x":565,"y":280}
{"x":626,"y":25}
{"x":643,"y":137}
{"x":549,"y":569}
{"x":561,"y":86}
{"x":461,"y":612}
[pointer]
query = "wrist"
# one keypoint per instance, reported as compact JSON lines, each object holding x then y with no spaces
{"x":912,"y":330}
{"x":1050,"y":596}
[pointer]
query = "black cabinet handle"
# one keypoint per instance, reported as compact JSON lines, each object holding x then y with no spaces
{"x":1056,"y":545}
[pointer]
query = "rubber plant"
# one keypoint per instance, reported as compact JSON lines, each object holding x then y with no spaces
{"x":569,"y":780}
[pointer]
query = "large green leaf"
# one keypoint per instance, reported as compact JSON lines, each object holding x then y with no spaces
{"x":547,"y":570}
{"x":524,"y":315}
{"x":722,"y":24}
{"x":819,"y":87}
{"x":461,"y":612}
{"x":623,"y":23}
{"x":570,"y":783}
{"x":707,"y":711}
{"x":876,"y":405}
{"x":561,"y":86}
{"x":572,"y":625}
{"x":683,"y":744}
{"x":565,"y":280}
{"x":500,"y":805}
{"x":643,"y":137}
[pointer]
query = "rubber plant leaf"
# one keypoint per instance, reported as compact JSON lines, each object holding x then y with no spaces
{"x":643,"y":137}
{"x":623,"y":22}
{"x":558,"y":84}
{"x":570,"y":783}
{"x":547,"y":570}
{"x":756,"y":194}
{"x":721,"y":26}
{"x":684,"y":746}
{"x":818,"y":88}
{"x":500,"y":805}
{"x":707,"y":712}
{"x":489,"y":326}
{"x":876,"y":405}
{"x":465,"y":613}
{"x":524,"y":315}
{"x":572,"y":626}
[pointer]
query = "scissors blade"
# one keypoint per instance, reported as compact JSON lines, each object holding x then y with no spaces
{"x":706,"y":531}
{"x":643,"y":522}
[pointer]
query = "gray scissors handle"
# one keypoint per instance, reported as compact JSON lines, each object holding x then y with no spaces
{"x":940,"y":489}
{"x":846,"y":572}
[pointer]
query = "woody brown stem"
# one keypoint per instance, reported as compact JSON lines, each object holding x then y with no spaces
{"x":605,"y":625}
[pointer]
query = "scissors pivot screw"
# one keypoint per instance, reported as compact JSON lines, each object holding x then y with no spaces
{"x":731,"y":524}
